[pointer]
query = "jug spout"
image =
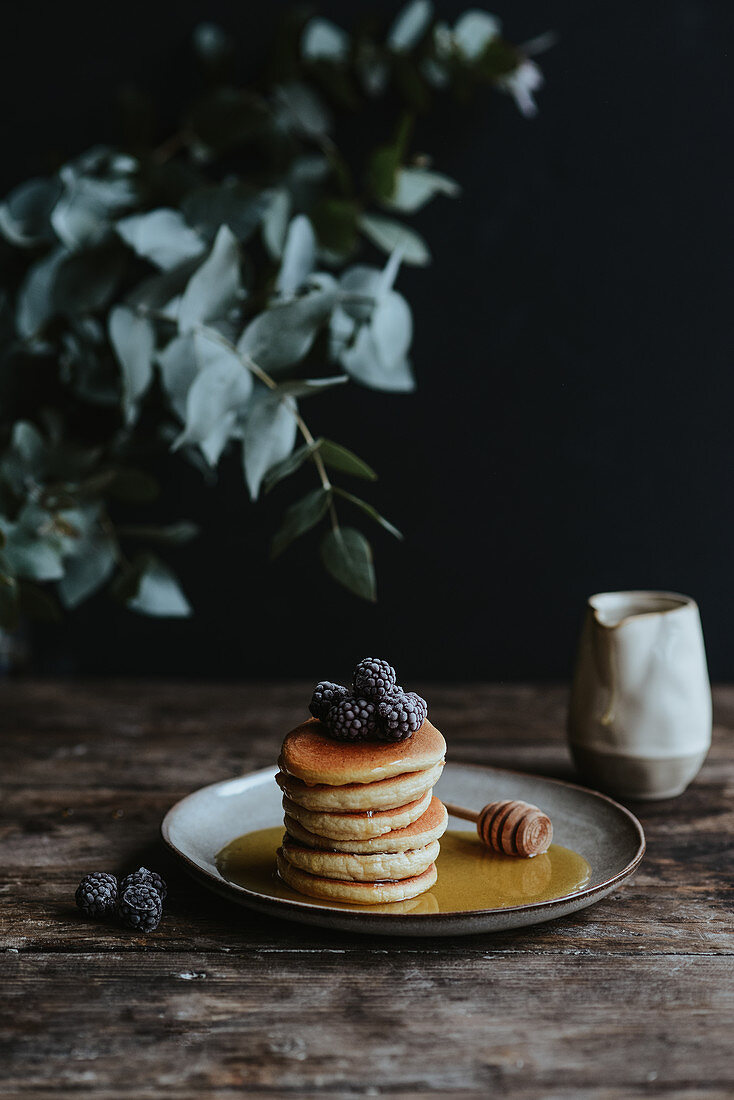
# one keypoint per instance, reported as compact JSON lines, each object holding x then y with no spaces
{"x":613,"y":610}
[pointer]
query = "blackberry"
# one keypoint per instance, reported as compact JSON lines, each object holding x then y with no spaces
{"x":144,"y":877}
{"x":353,"y":719}
{"x":325,"y":696}
{"x":374,"y":678}
{"x":96,"y":894}
{"x":140,"y":907}
{"x":401,"y":715}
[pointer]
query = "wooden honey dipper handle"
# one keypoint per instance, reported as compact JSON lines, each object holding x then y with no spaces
{"x":512,"y":827}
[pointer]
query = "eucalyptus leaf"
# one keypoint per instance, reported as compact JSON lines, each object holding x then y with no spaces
{"x":85,"y":365}
{"x":341,"y":458}
{"x":158,"y":291}
{"x":360,"y":287}
{"x":342,"y":331}
{"x":161,"y":236}
{"x":375,"y":353}
{"x":218,"y":395}
{"x":215,"y":287}
{"x":363,"y":362}
{"x":370,"y":511}
{"x":32,"y":554}
{"x":389,"y":234}
{"x":300,"y":518}
{"x":289,"y":465}
{"x":269,"y":433}
{"x":335,"y":222}
{"x":392,"y":329}
{"x":275,"y":222}
{"x":30,"y":447}
{"x":347,"y":557}
{"x":159,"y":593}
{"x":382,"y":172}
{"x":473,"y":32}
{"x":322,"y":40}
{"x":410,"y":26}
{"x":178,"y":366}
{"x":283,"y":334}
{"x":417,"y":186}
{"x":302,"y":110}
{"x":133,"y":341}
{"x":308,"y":387}
{"x":383,"y":165}
{"x":84,"y":213}
{"x":36,"y":300}
{"x":25,"y":216}
{"x":86,"y":280}
{"x":212,"y":43}
{"x":87,"y":571}
{"x":102,"y":161}
{"x":232,"y":203}
{"x":299,"y":256}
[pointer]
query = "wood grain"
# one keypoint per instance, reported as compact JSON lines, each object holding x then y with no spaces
{"x":633,"y":997}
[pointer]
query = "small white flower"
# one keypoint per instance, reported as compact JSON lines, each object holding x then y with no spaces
{"x":520,"y":84}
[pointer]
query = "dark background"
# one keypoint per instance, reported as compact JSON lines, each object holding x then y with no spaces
{"x":571,"y":429}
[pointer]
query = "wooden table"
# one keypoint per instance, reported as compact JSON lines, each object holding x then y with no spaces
{"x":632,"y":997}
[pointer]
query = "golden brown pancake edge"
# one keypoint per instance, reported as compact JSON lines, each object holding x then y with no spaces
{"x":309,"y":754}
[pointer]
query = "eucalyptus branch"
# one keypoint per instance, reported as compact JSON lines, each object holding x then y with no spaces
{"x":190,"y":222}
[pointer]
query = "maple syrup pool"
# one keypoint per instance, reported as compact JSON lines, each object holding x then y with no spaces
{"x":470,"y":876}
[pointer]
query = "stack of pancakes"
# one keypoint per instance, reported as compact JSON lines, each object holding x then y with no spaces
{"x":362,"y":823}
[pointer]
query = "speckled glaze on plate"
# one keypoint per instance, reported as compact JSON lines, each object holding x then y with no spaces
{"x":607,"y":835}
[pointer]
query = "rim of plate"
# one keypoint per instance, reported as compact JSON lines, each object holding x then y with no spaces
{"x":360,"y":915}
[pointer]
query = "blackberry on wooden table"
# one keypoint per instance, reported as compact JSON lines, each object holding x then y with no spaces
{"x":141,"y":908}
{"x":144,"y":877}
{"x":96,"y":894}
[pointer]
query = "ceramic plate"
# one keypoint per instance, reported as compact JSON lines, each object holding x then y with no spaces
{"x":607,"y":835}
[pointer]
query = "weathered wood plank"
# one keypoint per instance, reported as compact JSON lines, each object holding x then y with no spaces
{"x":631,"y":997}
{"x":427,"y":1024}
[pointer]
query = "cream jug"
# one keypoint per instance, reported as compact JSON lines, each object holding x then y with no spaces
{"x":640,"y":715}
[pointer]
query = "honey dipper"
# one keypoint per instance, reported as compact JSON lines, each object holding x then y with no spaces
{"x":512,"y":827}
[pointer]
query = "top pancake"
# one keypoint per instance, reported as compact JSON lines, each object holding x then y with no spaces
{"x":311,"y":755}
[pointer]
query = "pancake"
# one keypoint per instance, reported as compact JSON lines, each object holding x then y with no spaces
{"x":377,"y":867}
{"x":357,"y":893}
{"x":422,"y":903}
{"x":309,"y":754}
{"x":359,"y":825}
{"x":381,"y":795}
{"x":428,"y":827}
